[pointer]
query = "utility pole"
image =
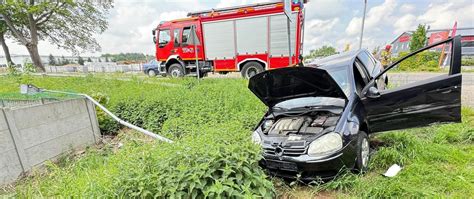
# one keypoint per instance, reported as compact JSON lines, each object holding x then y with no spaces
{"x":288,"y":25}
{"x":362,"y":27}
{"x":287,"y":9}
{"x":193,"y":32}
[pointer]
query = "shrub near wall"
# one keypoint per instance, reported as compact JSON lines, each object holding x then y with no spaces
{"x":210,"y":122}
{"x":424,"y":61}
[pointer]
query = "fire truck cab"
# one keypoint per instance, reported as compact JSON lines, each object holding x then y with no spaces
{"x":249,"y":39}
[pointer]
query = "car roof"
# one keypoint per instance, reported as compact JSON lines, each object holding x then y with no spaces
{"x":338,"y":60}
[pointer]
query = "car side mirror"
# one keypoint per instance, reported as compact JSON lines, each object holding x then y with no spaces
{"x":372,"y":92}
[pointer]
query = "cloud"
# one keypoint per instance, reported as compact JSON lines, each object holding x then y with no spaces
{"x":407,"y":8}
{"x":354,"y":26}
{"x":319,"y":32}
{"x":376,"y":17}
{"x":326,"y":9}
{"x":405,"y":23}
{"x":229,"y":3}
{"x":443,"y":15}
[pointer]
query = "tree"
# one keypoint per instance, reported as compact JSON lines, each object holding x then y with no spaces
{"x":52,"y":60}
{"x":126,"y":57}
{"x":6,"y":50}
{"x":321,"y":52}
{"x":418,"y":39}
{"x":89,"y":59}
{"x":106,"y":59}
{"x":67,"y":24}
{"x":80,"y":61}
{"x":64,"y":61}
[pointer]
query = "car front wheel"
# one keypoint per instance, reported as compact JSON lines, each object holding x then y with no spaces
{"x":363,"y":153}
{"x":151,"y":73}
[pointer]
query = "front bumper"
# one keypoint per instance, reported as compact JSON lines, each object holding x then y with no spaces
{"x":306,"y":168}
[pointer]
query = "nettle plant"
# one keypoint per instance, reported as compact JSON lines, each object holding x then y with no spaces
{"x":212,"y":156}
{"x":198,"y":166}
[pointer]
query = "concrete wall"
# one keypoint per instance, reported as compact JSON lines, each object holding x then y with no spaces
{"x":407,"y":78}
{"x":29,"y":136}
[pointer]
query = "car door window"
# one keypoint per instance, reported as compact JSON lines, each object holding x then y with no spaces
{"x":367,"y":62}
{"x":417,"y":103}
{"x":360,"y":76}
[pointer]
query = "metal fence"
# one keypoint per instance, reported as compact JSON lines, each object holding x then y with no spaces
{"x":5,"y":103}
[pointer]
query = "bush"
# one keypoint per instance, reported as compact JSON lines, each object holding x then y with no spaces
{"x":205,"y":166}
{"x":424,"y":61}
{"x":212,"y":155}
{"x":467,"y":62}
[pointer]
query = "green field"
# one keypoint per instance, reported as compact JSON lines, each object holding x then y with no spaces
{"x":211,"y":122}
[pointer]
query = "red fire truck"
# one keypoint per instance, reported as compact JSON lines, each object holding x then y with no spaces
{"x":249,"y":39}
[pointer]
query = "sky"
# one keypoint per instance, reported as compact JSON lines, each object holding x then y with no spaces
{"x":328,"y":22}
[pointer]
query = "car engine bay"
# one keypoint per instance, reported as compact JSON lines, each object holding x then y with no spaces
{"x":313,"y":123}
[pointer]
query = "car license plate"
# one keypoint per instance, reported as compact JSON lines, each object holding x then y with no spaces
{"x":281,"y":165}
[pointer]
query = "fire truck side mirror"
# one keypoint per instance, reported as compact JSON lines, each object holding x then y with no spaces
{"x":153,"y":32}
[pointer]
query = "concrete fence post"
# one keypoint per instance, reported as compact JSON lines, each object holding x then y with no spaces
{"x":93,"y":119}
{"x":17,"y":141}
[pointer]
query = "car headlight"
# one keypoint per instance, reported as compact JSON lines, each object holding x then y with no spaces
{"x":325,"y":145}
{"x":256,"y":138}
{"x":267,"y":124}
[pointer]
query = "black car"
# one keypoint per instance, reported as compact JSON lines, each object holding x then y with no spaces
{"x":320,"y":115}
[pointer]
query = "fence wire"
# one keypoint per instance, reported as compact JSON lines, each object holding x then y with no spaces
{"x":15,"y":100}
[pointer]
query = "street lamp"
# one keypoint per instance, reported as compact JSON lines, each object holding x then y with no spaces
{"x":362,"y":27}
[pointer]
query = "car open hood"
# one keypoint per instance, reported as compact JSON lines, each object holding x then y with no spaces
{"x":274,"y":86}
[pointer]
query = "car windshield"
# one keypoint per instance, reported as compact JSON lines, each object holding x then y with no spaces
{"x":310,"y":101}
{"x":341,"y":77}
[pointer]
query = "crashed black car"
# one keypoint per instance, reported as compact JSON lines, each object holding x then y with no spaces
{"x":320,"y":115}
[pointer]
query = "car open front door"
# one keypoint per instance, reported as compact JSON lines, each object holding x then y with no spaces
{"x":420,"y":103}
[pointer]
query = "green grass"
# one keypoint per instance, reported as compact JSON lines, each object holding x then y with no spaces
{"x":211,"y":122}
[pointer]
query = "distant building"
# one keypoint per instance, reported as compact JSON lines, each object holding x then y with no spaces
{"x":402,"y":42}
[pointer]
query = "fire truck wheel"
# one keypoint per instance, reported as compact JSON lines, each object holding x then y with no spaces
{"x":176,"y":70}
{"x":202,"y":74}
{"x":250,"y":69}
